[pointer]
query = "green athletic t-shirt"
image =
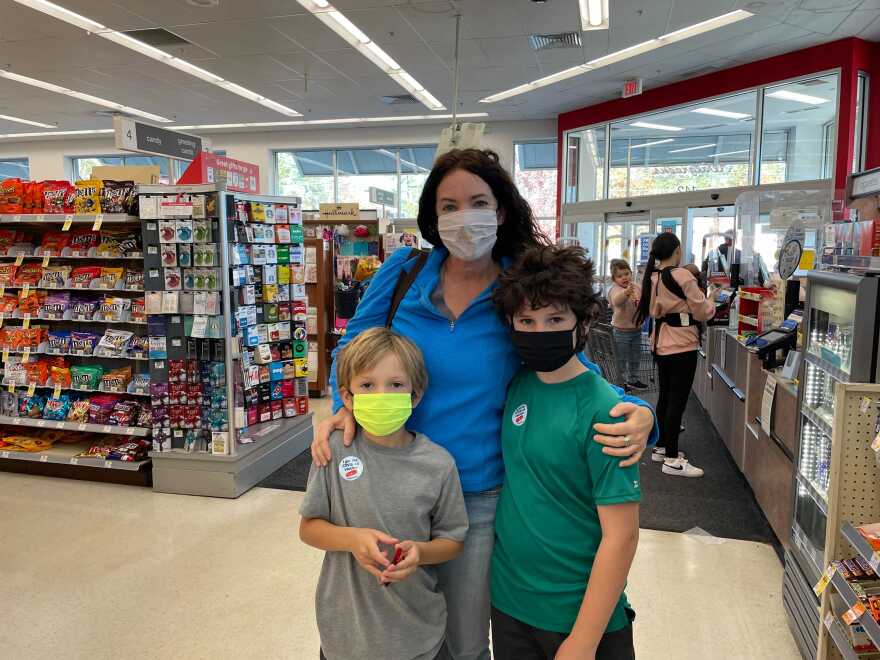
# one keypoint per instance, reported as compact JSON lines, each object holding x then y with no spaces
{"x":547,"y":527}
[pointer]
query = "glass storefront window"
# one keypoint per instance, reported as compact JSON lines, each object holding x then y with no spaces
{"x":535,"y":175}
{"x":14,"y":168}
{"x":585,"y":165}
{"x":806,"y":113}
{"x":346,"y":175}
{"x":314,"y":188}
{"x":700,"y":146}
{"x":858,"y":162}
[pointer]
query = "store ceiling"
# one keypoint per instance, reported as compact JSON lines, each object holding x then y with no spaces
{"x":277,"y":49}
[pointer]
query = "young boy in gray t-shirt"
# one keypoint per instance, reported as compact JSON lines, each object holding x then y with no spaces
{"x":386,"y":509}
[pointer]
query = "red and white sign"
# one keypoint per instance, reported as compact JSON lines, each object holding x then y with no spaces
{"x":632,"y":88}
{"x":209,"y":168}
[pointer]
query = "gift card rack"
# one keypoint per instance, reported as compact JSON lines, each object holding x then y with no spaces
{"x":228,"y":370}
{"x":72,"y":313}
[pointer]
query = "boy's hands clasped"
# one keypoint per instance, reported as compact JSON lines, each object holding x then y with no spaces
{"x":365,"y":547}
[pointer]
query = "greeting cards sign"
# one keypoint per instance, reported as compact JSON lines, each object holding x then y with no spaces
{"x":237,"y":175}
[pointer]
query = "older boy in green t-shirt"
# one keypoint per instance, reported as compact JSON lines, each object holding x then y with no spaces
{"x":568,"y":520}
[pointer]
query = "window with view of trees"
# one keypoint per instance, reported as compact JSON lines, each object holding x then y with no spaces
{"x":346,"y":175}
{"x":535,"y":175}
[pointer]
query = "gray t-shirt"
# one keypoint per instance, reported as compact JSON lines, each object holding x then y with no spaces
{"x":411,"y":493}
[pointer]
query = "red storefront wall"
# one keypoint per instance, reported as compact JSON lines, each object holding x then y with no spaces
{"x":849,"y":55}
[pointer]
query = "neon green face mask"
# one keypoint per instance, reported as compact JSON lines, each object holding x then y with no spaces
{"x":382,"y":413}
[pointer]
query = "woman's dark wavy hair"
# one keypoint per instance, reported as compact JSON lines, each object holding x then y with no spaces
{"x":519,"y":231}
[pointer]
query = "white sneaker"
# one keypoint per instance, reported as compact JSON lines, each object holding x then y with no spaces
{"x":658,"y":454}
{"x":680,"y":467}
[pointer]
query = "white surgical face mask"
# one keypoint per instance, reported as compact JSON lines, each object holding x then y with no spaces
{"x":469,"y":234}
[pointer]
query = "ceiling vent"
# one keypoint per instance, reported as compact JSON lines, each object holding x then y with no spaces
{"x":158,"y":38}
{"x":552,"y":41}
{"x":399,"y":99}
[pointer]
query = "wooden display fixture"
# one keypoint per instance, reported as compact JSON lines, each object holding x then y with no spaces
{"x":320,"y":293}
{"x":751,"y":309}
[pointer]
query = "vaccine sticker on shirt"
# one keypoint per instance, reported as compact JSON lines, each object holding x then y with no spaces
{"x":520,"y":414}
{"x":350,"y":468}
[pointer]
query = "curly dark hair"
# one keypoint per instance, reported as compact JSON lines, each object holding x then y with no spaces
{"x":549,"y":275}
{"x":519,"y":230}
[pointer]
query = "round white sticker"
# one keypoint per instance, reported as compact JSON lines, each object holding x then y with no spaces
{"x":350,"y":468}
{"x":520,"y":414}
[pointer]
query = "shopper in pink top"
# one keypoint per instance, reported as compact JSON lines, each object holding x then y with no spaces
{"x":676,"y":305}
{"x":624,"y":300}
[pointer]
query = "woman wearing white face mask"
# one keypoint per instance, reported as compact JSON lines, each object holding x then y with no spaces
{"x":471,"y":211}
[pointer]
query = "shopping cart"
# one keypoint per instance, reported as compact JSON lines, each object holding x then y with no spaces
{"x":602,"y":351}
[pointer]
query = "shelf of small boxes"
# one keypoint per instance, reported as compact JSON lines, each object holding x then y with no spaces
{"x":271,"y":306}
{"x":857,"y":583}
{"x":63,"y":384}
{"x":185,"y":320}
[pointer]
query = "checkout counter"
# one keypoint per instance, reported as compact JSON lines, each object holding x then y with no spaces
{"x":729,"y":384}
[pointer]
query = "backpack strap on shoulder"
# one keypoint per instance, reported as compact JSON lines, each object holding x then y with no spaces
{"x":405,"y":281}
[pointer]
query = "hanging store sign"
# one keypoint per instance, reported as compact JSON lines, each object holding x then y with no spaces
{"x":345,"y":211}
{"x":235,"y":175}
{"x":381,"y":197}
{"x":144,"y":138}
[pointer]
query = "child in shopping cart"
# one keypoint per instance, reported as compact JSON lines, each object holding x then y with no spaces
{"x":624,"y":300}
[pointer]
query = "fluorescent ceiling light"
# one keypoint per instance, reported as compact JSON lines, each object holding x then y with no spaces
{"x":730,"y":153}
{"x":562,"y":75}
{"x":649,"y":144}
{"x":657,"y":127}
{"x":19,"y":120}
{"x":320,"y":122}
{"x":88,"y":98}
{"x":727,"y":114}
{"x":355,"y":37}
{"x":95,"y":131}
{"x":131,"y":43}
{"x":787,"y":95}
{"x":594,"y":14}
{"x":626,"y":53}
{"x":702,"y":146}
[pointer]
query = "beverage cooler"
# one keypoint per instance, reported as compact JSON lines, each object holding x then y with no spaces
{"x":841,"y":346}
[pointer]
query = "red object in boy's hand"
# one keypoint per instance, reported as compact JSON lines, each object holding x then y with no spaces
{"x":398,"y":555}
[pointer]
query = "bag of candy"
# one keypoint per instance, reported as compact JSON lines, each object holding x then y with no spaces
{"x":54,"y":242}
{"x":60,"y":376}
{"x":11,"y":196}
{"x":55,"y":306}
{"x":83,"y":240}
{"x":88,"y":196}
{"x":114,"y":309}
{"x":116,"y":380}
{"x":100,"y":408}
{"x":54,"y":196}
{"x":117,"y":196}
{"x":81,"y":277}
{"x":134,"y":280}
{"x":29,"y":274}
{"x":114,"y":341}
{"x":55,"y":277}
{"x":79,"y":411}
{"x":83,"y":308}
{"x":57,"y":409}
{"x":83,"y":343}
{"x":59,"y":341}
{"x":124,"y":413}
{"x":110,"y":277}
{"x":31,"y":406}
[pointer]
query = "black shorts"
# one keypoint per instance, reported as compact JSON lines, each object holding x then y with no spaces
{"x":514,"y":640}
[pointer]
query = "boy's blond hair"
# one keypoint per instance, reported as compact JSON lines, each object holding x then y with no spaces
{"x":618,"y":265}
{"x":365,"y":350}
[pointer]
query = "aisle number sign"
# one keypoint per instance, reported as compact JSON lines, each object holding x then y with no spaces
{"x":144,"y":138}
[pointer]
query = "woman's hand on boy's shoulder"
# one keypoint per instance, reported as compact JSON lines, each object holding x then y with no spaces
{"x":364,"y":546}
{"x":343,"y":421}
{"x":627,"y":439}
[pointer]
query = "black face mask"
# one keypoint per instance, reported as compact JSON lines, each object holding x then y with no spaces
{"x":544,"y":351}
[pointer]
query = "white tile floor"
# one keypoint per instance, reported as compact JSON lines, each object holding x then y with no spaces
{"x":100,"y":571}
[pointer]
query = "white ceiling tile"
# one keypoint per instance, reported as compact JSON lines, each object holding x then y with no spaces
{"x":821,"y":22}
{"x":238,"y":38}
